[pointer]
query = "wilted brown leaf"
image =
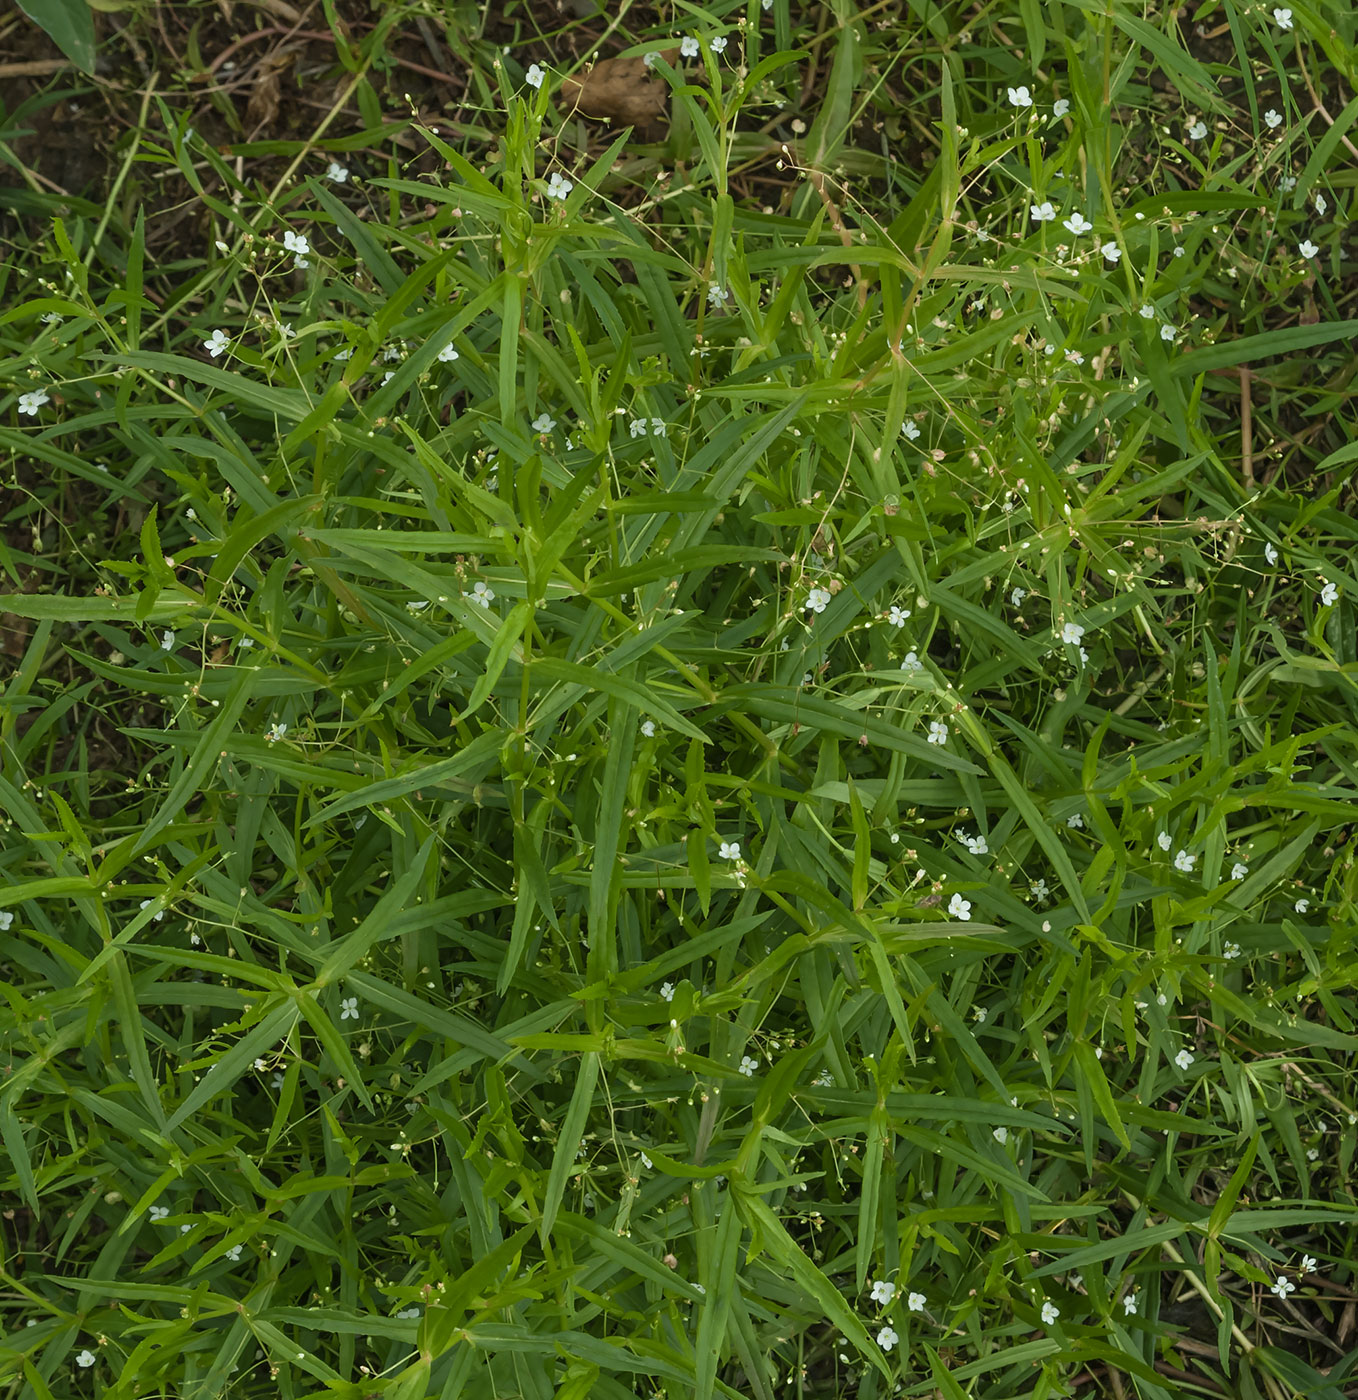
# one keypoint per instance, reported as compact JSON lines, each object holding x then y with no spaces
{"x":262,"y":108}
{"x":622,"y":90}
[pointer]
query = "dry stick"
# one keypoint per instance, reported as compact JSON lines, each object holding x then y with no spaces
{"x":34,"y":68}
{"x":817,"y":180}
{"x":1246,"y":425}
{"x":1319,"y":105}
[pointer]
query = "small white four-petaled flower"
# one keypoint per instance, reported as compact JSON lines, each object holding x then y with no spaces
{"x":1072,"y":634}
{"x":216,"y":343}
{"x":1197,"y":131}
{"x":718,"y":45}
{"x":1307,"y":249}
{"x":938,"y":732}
{"x":818,"y":599}
{"x":1239,"y":870}
{"x":1184,"y":860}
{"x":887,"y":1338}
{"x":1329,"y":595}
{"x":558,"y":187}
{"x":959,"y":908}
{"x":85,"y":1358}
{"x":1283,"y":19}
{"x":883,"y":1292}
{"x":336,"y":173}
{"x":1283,"y":1287}
{"x":689,"y":46}
{"x":1050,"y":1312}
{"x":349,"y":1009}
{"x":1020,"y":97}
{"x":1183,"y":1059}
{"x":1077,"y":223}
{"x":276,"y":731}
{"x":31,"y":402}
{"x":1043,"y":213}
{"x":748,"y":1065}
{"x":730,"y":850}
{"x":916,"y":1302}
{"x":482,"y":594}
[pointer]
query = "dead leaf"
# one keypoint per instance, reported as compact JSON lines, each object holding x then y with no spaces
{"x":622,"y":90}
{"x":262,"y":108}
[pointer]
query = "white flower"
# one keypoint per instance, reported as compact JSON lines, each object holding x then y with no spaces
{"x":275,"y":732}
{"x":345,"y":354}
{"x":748,"y":1065}
{"x":1283,"y":19}
{"x":216,"y":343}
{"x":1043,"y":213}
{"x":938,"y":732}
{"x":1284,"y":1286}
{"x":1287,"y":184}
{"x":1231,"y":950}
{"x":1017,"y":596}
{"x":981,"y":1013}
{"x":667,"y":991}
{"x":483,"y":594}
{"x":1075,"y":357}
{"x":818,"y":599}
{"x":1077,"y":223}
{"x":1060,"y":108}
{"x":1111,"y":251}
{"x":1313,"y":1154}
{"x":336,"y":173}
{"x":959,"y":908}
{"x":543,"y":423}
{"x":689,"y":46}
{"x":1072,"y":634}
{"x":1183,"y":1059}
{"x":1163,"y":841}
{"x":447,"y":355}
{"x":1167,"y":332}
{"x":349,"y":1009}
{"x":917,"y":1302}
{"x":534,"y":76}
{"x":1239,"y":870}
{"x":910,"y":430}
{"x":1001,"y":1135}
{"x":883,"y":1292}
{"x":6,"y":919}
{"x":646,"y":1162}
{"x":1329,"y":594}
{"x":146,"y":904}
{"x":911,"y":662}
{"x":1270,"y":554}
{"x":1184,"y":860}
{"x":767,"y":4}
{"x":1050,"y":1312}
{"x":730,"y":850}
{"x":388,"y":377}
{"x":716,"y":295}
{"x":1129,"y":1304}
{"x":648,"y":728}
{"x":233,"y":1254}
{"x":1075,"y":821}
{"x":30,"y":403}
{"x":718,"y":45}
{"x":406,"y":1314}
{"x":1321,"y":207}
{"x":85,"y":1358}
{"x":1273,"y":119}
{"x":650,"y":58}
{"x":887,"y":1338}
{"x":1020,"y":97}
{"x":637,"y":427}
{"x":1307,"y":1264}
{"x":1038,"y":889}
{"x":1302,"y":905}
{"x":1197,"y":131}
{"x":659,"y":427}
{"x":975,"y":844}
{"x":167,"y":641}
{"x":1307,"y":249}
{"x":897,"y":616}
{"x":159,"y":1212}
{"x":1147,"y":313}
{"x":296,"y":243}
{"x":558,"y":187}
